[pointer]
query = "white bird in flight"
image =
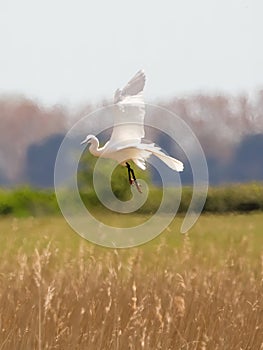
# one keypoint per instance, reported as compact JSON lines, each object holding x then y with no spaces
{"x":126,"y":143}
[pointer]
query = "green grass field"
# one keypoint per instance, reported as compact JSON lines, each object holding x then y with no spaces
{"x":220,"y":231}
{"x":202,"y":290}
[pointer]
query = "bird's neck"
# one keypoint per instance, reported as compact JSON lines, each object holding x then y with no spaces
{"x":94,"y":147}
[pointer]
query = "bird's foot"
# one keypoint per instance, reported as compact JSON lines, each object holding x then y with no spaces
{"x":138,"y":186}
{"x":132,"y":178}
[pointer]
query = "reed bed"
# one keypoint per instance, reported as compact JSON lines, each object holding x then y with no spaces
{"x":164,"y":295}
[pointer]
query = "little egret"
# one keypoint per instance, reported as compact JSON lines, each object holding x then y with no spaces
{"x":125,"y":143}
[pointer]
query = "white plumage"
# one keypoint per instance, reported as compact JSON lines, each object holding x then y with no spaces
{"x":126,"y":143}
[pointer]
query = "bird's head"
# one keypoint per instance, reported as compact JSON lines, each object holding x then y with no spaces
{"x":88,"y":139}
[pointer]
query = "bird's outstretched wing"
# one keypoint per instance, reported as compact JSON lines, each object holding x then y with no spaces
{"x":133,"y":87}
{"x":129,"y":113}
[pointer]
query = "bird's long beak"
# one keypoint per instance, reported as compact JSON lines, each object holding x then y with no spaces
{"x":84,"y":141}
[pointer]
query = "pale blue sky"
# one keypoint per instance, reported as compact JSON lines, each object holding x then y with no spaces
{"x":77,"y":51}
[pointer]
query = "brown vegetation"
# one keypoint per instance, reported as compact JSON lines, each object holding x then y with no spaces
{"x":24,"y":122}
{"x":220,"y":121}
{"x":161,"y":296}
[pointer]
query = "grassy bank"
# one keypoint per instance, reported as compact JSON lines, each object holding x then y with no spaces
{"x":222,"y":199}
{"x":26,"y":201}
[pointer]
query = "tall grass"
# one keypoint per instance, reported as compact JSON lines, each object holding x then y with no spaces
{"x":199,"y":291}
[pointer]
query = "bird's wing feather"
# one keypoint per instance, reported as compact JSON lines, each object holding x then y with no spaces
{"x":132,"y":88}
{"x":129,"y":113}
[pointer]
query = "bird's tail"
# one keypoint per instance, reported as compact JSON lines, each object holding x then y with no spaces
{"x":173,"y":163}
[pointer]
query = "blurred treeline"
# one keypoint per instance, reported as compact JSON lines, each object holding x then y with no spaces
{"x":229,"y":128}
{"x":26,"y":201}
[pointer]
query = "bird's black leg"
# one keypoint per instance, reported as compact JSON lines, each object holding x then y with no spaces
{"x":133,"y":175}
{"x":129,"y":173}
{"x":132,"y":178}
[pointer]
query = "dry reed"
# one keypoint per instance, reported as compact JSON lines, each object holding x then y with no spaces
{"x":168,"y":298}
